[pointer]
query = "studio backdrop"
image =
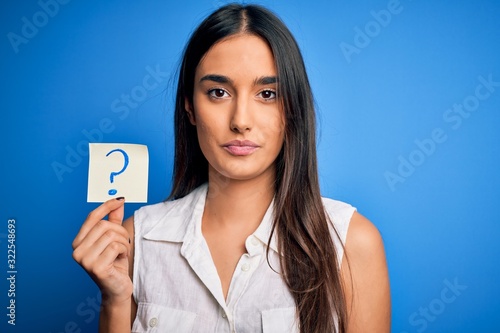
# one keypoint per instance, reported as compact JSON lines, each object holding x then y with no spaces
{"x":408,"y":108}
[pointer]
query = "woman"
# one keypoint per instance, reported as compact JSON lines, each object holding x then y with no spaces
{"x":245,"y":242}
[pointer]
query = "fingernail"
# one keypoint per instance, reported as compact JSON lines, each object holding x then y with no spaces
{"x":120,"y":198}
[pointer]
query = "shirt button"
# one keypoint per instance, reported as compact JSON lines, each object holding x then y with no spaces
{"x":224,"y":315}
{"x":245,"y":267}
{"x":254,"y":241}
{"x":153,"y":322}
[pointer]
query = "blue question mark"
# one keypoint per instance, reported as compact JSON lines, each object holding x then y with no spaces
{"x":114,"y":174}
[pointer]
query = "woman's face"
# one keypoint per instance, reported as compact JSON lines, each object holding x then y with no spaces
{"x":235,"y":109}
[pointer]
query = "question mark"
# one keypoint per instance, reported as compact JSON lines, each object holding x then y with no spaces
{"x":114,"y":174}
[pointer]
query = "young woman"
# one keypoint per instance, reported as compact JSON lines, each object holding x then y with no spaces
{"x":245,"y":242}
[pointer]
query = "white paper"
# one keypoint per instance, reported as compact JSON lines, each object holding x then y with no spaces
{"x":118,"y":170}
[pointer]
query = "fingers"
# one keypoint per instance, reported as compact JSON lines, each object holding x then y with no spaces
{"x":116,"y":215}
{"x":111,"y":253}
{"x":104,"y":228}
{"x":113,"y":206}
{"x":110,"y":272}
{"x":103,"y":255}
{"x":98,"y":239}
{"x":109,"y":269}
{"x":102,"y":248}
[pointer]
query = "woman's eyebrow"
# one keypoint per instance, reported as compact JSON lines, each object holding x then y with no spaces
{"x":260,"y":81}
{"x":265,"y":80}
{"x":216,"y":78}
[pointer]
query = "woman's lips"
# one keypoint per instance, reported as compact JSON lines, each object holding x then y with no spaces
{"x":240,"y":148}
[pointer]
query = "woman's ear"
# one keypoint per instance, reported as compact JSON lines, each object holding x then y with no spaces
{"x":188,"y":106}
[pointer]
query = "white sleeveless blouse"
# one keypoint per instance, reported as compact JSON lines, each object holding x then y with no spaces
{"x":176,"y":285}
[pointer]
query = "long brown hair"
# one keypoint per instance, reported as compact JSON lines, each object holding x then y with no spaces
{"x":309,"y":261}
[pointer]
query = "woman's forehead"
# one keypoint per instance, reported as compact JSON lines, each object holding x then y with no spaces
{"x":241,"y":55}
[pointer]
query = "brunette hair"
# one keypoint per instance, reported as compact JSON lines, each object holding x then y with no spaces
{"x":309,"y":261}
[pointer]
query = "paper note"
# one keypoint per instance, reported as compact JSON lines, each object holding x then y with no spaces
{"x":118,"y":170}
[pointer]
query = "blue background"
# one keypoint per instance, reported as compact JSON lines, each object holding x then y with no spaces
{"x":440,"y":225}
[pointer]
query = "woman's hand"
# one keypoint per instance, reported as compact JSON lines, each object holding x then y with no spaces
{"x":102,"y":248}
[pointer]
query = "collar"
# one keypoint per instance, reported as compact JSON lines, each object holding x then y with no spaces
{"x":182,"y":221}
{"x":264,"y":229}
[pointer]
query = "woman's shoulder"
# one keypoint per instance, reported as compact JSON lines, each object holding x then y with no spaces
{"x":354,"y":230}
{"x":350,"y":224}
{"x":339,"y":209}
{"x":363,"y":237}
{"x":339,"y":214}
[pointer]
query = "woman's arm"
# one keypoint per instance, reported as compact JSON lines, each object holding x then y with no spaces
{"x":129,"y":226}
{"x":366,"y":278}
{"x":103,"y":248}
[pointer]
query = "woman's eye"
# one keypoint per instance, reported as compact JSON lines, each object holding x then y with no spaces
{"x":217,"y":93}
{"x":268,"y":94}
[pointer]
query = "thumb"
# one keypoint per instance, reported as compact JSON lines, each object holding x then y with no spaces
{"x":116,"y":215}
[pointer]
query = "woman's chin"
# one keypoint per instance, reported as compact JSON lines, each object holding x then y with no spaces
{"x":241,"y":174}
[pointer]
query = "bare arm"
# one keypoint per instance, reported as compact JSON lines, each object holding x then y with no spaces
{"x":129,"y":226}
{"x":366,"y":278}
{"x":102,"y":248}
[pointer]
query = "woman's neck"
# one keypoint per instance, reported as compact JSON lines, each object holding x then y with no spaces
{"x":238,"y":203}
